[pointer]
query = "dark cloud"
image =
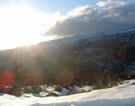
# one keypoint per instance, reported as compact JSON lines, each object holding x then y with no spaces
{"x":109,"y":16}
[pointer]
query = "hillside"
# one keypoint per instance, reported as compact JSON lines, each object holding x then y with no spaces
{"x":100,"y":58}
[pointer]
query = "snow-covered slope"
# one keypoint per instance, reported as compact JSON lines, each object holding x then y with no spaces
{"x":122,"y":95}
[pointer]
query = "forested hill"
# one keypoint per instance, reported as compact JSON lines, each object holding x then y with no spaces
{"x":112,"y":52}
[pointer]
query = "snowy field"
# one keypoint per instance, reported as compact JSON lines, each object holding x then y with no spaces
{"x":122,"y":95}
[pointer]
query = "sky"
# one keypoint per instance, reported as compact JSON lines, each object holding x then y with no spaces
{"x":25,"y":22}
{"x":52,"y":6}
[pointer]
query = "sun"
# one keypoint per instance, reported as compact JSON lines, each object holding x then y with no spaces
{"x":20,"y":25}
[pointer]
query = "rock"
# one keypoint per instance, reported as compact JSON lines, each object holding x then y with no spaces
{"x":71,"y":91}
{"x":57,"y":88}
{"x":52,"y":94}
{"x":133,"y":83}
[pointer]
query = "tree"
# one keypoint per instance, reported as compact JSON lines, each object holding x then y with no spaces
{"x":115,"y":54}
{"x":65,"y":77}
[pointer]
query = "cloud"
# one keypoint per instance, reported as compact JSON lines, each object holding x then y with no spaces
{"x":82,"y":10}
{"x":110,"y":16}
{"x":110,"y":3}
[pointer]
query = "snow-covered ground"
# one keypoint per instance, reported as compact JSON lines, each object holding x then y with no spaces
{"x":122,"y":95}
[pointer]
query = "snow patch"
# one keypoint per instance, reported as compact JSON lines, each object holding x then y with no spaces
{"x":121,"y":95}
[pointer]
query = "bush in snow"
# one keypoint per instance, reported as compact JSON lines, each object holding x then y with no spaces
{"x":32,"y":89}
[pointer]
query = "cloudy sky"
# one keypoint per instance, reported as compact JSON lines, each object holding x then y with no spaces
{"x":104,"y":17}
{"x":29,"y":21}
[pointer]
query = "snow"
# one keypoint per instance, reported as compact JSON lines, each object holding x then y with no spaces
{"x":121,"y":95}
{"x":86,"y":88}
{"x":126,"y":30}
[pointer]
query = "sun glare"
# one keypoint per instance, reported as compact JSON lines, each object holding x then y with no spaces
{"x":20,"y":25}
